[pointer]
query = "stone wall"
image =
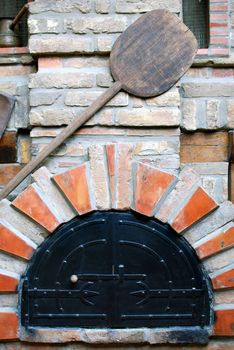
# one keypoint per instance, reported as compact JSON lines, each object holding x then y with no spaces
{"x":70,"y":41}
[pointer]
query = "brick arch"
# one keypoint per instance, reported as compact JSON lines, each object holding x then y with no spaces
{"x":179,"y":201}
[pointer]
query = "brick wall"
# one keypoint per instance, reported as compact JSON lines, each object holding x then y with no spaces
{"x":70,"y":41}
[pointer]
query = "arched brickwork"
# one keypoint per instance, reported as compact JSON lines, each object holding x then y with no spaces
{"x":179,"y":201}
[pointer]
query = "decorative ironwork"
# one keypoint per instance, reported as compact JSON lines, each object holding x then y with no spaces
{"x":115,"y":269}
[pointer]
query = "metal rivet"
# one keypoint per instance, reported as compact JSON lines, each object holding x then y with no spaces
{"x":74,"y":278}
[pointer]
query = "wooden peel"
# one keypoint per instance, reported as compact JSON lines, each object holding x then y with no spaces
{"x":146,"y":60}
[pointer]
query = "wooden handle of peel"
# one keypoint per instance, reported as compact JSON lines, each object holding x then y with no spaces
{"x":19,"y":16}
{"x":68,"y":131}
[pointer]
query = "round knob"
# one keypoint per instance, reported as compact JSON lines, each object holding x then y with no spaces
{"x":74,"y":278}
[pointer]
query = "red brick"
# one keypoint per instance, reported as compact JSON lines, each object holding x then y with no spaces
{"x":111,"y":156}
{"x":223,"y":31}
{"x":222,"y":241}
{"x":223,"y":73}
{"x":224,"y":323}
{"x":202,"y":51}
{"x":49,"y":62}
{"x":11,"y":243}
{"x":30,"y":203}
{"x":8,"y":283}
{"x":219,"y":52}
{"x":218,"y":8}
{"x":218,"y":40}
{"x":8,"y":326}
{"x":151,"y":185}
{"x":75,"y":186}
{"x":14,"y":50}
{"x":199,"y":205}
{"x":224,"y":280}
{"x":218,"y":17}
{"x":214,"y":24}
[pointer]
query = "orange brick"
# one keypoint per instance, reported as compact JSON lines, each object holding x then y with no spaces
{"x":224,"y":324}
{"x":8,"y":283}
{"x":49,"y":62}
{"x":222,"y":241}
{"x":199,"y":205}
{"x":151,"y":185}
{"x":74,"y":184}
{"x":8,"y":326}
{"x":30,"y":203}
{"x":11,"y":243}
{"x":111,"y":155}
{"x":224,"y":280}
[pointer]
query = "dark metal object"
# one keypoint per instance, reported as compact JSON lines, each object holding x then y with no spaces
{"x":132,"y":272}
{"x":9,"y":37}
{"x":6,"y":106}
{"x":9,"y":29}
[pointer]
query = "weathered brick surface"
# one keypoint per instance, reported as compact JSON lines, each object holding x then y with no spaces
{"x":17,"y":85}
{"x":107,"y":24}
{"x":124,"y":175}
{"x":219,"y":261}
{"x":170,"y":98}
{"x":102,"y":6}
{"x":8,"y":281}
{"x":43,"y":179}
{"x":44,"y":25}
{"x":76,"y":186}
{"x":189,"y":114}
{"x":34,"y":204}
{"x":215,"y":242}
{"x":12,"y":263}
{"x":151,"y":186}
{"x":39,"y":97}
{"x":14,"y":242}
{"x":21,"y":223}
{"x":230,"y":113}
{"x":78,"y":98}
{"x":186,"y":181}
{"x":224,"y":322}
{"x":204,"y":88}
{"x":149,"y":117}
{"x":224,"y":278}
{"x":123,"y":6}
{"x":51,"y":43}
{"x":198,"y":205}
{"x":224,"y":296}
{"x":99,"y":176}
{"x":62,"y":79}
{"x":220,"y":217}
{"x":217,"y":344}
{"x":111,"y":150}
{"x":8,"y":324}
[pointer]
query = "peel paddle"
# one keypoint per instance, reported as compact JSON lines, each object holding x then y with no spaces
{"x":146,"y":60}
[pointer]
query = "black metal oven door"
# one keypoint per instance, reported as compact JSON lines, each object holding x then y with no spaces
{"x":116,"y":270}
